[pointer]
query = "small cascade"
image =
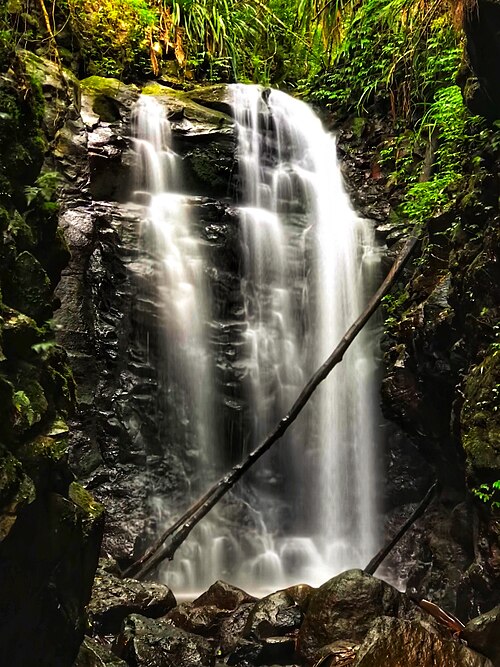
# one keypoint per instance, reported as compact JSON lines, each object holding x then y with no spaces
{"x":178,"y":255}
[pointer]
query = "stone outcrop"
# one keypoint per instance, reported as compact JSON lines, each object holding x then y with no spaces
{"x":115,"y":598}
{"x":110,"y":312}
{"x":345,"y":607}
{"x":50,"y":527}
{"x":479,"y":76}
{"x":483,"y":634}
{"x":151,"y":643}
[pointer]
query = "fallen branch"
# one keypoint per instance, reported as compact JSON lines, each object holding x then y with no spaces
{"x":375,"y":562}
{"x":185,"y":524}
{"x":445,"y":618}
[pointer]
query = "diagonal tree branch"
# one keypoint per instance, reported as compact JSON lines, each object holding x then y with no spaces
{"x":180,"y":530}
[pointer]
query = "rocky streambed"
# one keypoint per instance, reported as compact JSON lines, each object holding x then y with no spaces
{"x":353,"y":619}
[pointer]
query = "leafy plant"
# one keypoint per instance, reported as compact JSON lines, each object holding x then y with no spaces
{"x":45,"y":187}
{"x":489,"y":494}
{"x":22,"y":405}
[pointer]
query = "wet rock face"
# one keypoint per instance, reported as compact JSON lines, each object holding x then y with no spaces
{"x":124,"y":446}
{"x":50,"y":527}
{"x":345,"y":607}
{"x":439,"y":374}
{"x":399,"y":643}
{"x":113,"y":599}
{"x":147,"y":643}
{"x":483,"y":634}
{"x":94,"y":654}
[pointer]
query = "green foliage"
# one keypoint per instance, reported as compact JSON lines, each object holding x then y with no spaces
{"x":393,"y":305}
{"x":489,"y":494}
{"x":449,"y":124}
{"x":234,"y":39}
{"x":44,"y":348}
{"x":44,"y":189}
{"x":113,"y":37}
{"x":22,"y":405}
{"x":397,"y":53}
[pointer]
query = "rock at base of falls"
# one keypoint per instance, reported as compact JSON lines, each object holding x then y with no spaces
{"x":148,"y":643}
{"x":345,"y":607}
{"x":352,"y":620}
{"x":483,"y":634}
{"x":113,"y":599}
{"x":392,"y":642}
{"x":94,"y":654}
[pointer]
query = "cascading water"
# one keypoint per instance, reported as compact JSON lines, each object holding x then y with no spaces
{"x":310,"y":260}
{"x":307,"y":260}
{"x":178,"y":252}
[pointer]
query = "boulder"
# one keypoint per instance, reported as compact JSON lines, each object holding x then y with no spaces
{"x":223,"y":596}
{"x":114,"y":599}
{"x":93,"y":654}
{"x":300,"y":594}
{"x":206,"y":614}
{"x":48,"y":564}
{"x":274,"y":616}
{"x":392,"y":642}
{"x":232,"y":627}
{"x":245,"y":654}
{"x":483,"y":634}
{"x":345,"y":607}
{"x":148,"y":643}
{"x":205,"y":621}
{"x":216,"y":97}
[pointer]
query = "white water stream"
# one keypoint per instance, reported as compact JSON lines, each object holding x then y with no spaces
{"x":308,"y":265}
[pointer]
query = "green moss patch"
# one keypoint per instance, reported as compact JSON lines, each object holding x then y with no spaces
{"x":480,"y":420}
{"x":85,"y":501}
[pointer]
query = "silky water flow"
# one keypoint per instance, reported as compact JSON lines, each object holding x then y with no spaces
{"x":308,"y":265}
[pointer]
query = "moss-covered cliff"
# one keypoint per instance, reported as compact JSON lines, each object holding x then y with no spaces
{"x":49,"y":527}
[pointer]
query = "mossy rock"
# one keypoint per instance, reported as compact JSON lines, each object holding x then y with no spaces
{"x":20,"y":231}
{"x":30,"y":398}
{"x":85,"y":501}
{"x":16,"y":490}
{"x":44,"y":460}
{"x":215,"y":97}
{"x":480,"y":420}
{"x":155,"y":88}
{"x":28,"y":288}
{"x":19,"y":334}
{"x":102,"y":85}
{"x":107,"y":97}
{"x":43,"y":447}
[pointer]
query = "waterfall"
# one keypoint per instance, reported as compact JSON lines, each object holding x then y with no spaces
{"x":310,"y":264}
{"x":307,"y":264}
{"x":169,"y":236}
